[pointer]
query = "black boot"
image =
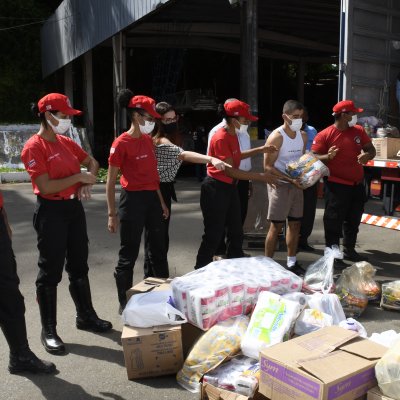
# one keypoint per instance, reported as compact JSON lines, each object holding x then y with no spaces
{"x":25,"y":360}
{"x":47,"y":299}
{"x":124,"y":282}
{"x":86,"y":317}
{"x":21,"y":357}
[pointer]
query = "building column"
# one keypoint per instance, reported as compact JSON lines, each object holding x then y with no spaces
{"x":119,"y":69}
{"x":249,"y":55}
{"x":88,"y":96}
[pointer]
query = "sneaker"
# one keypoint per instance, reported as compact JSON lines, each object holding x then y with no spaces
{"x":351,"y":255}
{"x":296,"y":269}
{"x":305,"y":247}
{"x":339,"y":264}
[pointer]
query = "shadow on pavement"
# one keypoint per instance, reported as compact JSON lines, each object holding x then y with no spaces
{"x":97,"y":352}
{"x":53,"y":387}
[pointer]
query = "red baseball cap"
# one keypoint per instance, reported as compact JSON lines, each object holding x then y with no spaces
{"x":346,"y":106}
{"x":57,"y":102}
{"x":147,"y":103}
{"x":237,"y":108}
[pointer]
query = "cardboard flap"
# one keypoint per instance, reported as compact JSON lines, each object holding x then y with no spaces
{"x":215,"y":393}
{"x":365,"y":348}
{"x":332,"y":366}
{"x":148,"y":284}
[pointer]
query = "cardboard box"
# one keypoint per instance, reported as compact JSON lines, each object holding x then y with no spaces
{"x":386,"y":147}
{"x":152,"y":351}
{"x":376,"y":394}
{"x":148,"y":285}
{"x":210,"y":392}
{"x":190,"y":334}
{"x":331,"y":363}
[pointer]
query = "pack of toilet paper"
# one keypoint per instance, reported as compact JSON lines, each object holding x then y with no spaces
{"x":227,"y":288}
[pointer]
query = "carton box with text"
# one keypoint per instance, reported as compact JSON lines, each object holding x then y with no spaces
{"x":329,"y":364}
{"x":148,"y":285}
{"x":152,"y":351}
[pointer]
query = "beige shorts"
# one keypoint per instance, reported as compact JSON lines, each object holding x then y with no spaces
{"x":285,"y":201}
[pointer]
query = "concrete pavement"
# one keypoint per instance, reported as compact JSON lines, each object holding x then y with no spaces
{"x":94,"y":366}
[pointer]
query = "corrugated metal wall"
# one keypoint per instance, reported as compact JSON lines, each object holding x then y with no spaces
{"x":372,"y":62}
{"x":79,"y":25}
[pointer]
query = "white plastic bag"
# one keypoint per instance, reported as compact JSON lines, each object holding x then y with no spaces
{"x":352,"y":325}
{"x":387,"y":372}
{"x":311,"y":320}
{"x":319,"y":275}
{"x":151,"y":309}
{"x":328,"y":303}
{"x":270,"y":323}
{"x":386,"y":338}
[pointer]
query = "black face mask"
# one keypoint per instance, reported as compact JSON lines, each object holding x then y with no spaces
{"x":170,"y":128}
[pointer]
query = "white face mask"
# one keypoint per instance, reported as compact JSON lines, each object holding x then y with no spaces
{"x":353,"y":120}
{"x":147,"y":128}
{"x":296,"y":124}
{"x":64,"y":124}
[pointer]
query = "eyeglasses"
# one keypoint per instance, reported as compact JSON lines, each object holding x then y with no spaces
{"x":167,"y":121}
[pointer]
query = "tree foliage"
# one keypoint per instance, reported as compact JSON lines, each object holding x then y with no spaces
{"x":21,"y":80}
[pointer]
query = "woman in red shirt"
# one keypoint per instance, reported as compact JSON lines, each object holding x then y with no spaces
{"x":219,"y":199}
{"x":54,"y":164}
{"x":141,"y":204}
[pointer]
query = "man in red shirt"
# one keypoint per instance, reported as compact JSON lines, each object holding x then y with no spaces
{"x":345,"y":148}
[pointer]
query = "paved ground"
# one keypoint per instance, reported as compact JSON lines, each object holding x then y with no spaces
{"x":94,"y":365}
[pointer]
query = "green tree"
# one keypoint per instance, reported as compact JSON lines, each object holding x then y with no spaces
{"x":20,"y":65}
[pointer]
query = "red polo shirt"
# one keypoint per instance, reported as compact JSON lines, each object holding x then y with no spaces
{"x":223,"y":146}
{"x":58,"y":159}
{"x":344,"y":167}
{"x":136,"y":159}
{"x":1,"y":200}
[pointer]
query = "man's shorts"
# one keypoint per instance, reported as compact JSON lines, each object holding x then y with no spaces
{"x":285,"y":201}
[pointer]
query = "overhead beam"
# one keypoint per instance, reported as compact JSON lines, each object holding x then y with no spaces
{"x":229,"y":31}
{"x":223,"y":46}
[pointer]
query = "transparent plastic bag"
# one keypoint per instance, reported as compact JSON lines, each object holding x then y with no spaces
{"x":387,"y":371}
{"x":367,"y":283}
{"x":307,"y":169}
{"x":391,"y":295}
{"x":151,"y":309}
{"x":348,"y":289}
{"x":352,"y":325}
{"x":218,"y":343}
{"x":319,"y":275}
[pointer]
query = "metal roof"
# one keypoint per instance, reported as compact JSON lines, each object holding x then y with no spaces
{"x":288,"y":29}
{"x":79,"y":25}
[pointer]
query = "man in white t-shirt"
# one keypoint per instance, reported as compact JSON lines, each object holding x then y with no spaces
{"x":285,"y":200}
{"x":245,"y":165}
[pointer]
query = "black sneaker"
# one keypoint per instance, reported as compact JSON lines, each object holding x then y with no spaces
{"x":305,"y":247}
{"x":339,"y":264}
{"x":26,"y":361}
{"x":351,"y":255}
{"x":296,"y":269}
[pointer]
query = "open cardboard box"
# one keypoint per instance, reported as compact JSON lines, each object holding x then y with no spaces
{"x":329,"y":364}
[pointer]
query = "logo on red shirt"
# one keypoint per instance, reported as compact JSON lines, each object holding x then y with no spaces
{"x":31,"y":163}
{"x":357,"y":139}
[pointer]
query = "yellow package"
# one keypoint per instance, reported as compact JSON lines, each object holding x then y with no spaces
{"x":218,"y":343}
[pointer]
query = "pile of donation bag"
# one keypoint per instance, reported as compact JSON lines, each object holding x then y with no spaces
{"x":243,"y":329}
